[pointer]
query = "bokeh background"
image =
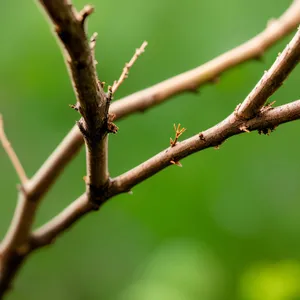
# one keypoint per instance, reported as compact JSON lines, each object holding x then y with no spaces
{"x":225,"y":226}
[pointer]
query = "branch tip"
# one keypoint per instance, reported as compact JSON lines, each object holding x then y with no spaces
{"x":12,"y":154}
{"x":84,"y":13}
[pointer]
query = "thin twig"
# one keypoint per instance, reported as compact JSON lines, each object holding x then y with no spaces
{"x":128,"y":66}
{"x":12,"y":154}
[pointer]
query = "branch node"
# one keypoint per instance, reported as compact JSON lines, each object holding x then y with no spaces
{"x":111,"y":127}
{"x":201,"y":136}
{"x":267,"y":106}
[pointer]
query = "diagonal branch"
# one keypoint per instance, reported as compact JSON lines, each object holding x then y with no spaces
{"x":272,"y":79}
{"x":265,"y":122}
{"x":160,"y":92}
{"x":12,"y":154}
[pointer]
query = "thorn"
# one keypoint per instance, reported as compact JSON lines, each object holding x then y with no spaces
{"x":109,"y":93}
{"x":244,"y":128}
{"x":177,"y":163}
{"x":93,"y":38}
{"x":267,"y":107}
{"x":130,"y":192}
{"x":217,"y":147}
{"x":112,"y":127}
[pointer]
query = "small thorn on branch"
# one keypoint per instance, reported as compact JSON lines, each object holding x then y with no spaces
{"x":244,"y":128}
{"x":112,"y":127}
{"x":177,"y":163}
{"x":75,"y":107}
{"x":93,"y":40}
{"x":84,"y":13}
{"x":267,"y":107}
{"x":178,"y":132}
{"x":93,"y":45}
{"x":12,"y":154}
{"x":128,"y":66}
{"x":109,"y":93}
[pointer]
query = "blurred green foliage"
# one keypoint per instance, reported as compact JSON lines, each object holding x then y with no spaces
{"x":225,"y":226}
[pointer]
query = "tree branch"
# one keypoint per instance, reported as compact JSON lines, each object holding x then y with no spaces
{"x":93,"y":103}
{"x":265,"y":123}
{"x":160,"y":92}
{"x":12,"y":154}
{"x":272,"y":79}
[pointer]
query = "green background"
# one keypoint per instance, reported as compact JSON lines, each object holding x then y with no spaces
{"x":225,"y":226}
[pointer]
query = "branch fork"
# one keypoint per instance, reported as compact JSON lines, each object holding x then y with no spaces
{"x":97,"y":116}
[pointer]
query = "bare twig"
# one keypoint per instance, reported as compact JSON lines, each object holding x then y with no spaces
{"x":265,"y":122}
{"x":93,"y":105}
{"x":145,"y":99}
{"x":272,"y":79}
{"x":12,"y":154}
{"x":128,"y":66}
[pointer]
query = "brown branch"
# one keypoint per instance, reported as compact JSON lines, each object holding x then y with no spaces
{"x":93,"y":103}
{"x":265,"y":122}
{"x":272,"y":79}
{"x":193,"y":79}
{"x":47,"y":234}
{"x":128,"y":66}
{"x":160,"y":92}
{"x":12,"y":154}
